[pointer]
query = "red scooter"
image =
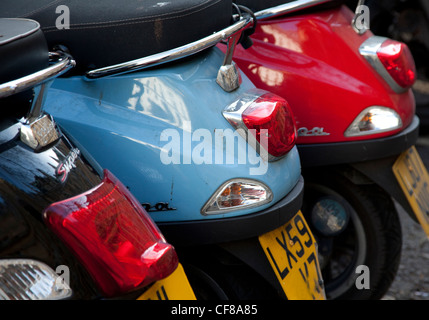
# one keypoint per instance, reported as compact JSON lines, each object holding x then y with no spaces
{"x":355,"y":112}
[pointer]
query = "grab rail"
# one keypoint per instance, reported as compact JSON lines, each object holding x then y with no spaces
{"x":287,"y":8}
{"x":172,"y":54}
{"x":60,"y":62}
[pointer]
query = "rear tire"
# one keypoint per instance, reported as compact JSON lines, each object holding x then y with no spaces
{"x":372,"y":237}
{"x":214,"y":274}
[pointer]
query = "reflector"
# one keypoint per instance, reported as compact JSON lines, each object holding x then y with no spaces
{"x":25,"y":279}
{"x":373,"y":120}
{"x":237,"y":194}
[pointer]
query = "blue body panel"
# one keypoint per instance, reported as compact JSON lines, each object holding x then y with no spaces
{"x":122,"y":120}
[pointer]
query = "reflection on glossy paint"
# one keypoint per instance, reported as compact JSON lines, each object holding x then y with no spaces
{"x":42,"y":166}
{"x":269,"y":76}
{"x":281,"y":39}
{"x":156,"y":97}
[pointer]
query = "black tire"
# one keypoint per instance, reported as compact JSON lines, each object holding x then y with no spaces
{"x":372,"y":237}
{"x":203,"y":285}
{"x":214,"y":274}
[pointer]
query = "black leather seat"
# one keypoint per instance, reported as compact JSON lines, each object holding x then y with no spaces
{"x":107,"y":32}
{"x":23,"y":48}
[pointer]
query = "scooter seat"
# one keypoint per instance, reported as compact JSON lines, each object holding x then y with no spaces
{"x":23,"y":49}
{"x":99,"y":33}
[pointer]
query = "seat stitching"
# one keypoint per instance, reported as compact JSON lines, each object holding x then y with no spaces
{"x":39,"y":9}
{"x":89,"y":25}
{"x":108,"y":25}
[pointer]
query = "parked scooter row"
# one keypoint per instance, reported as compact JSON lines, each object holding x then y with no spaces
{"x":343,"y":245}
{"x":68,"y":229}
{"x":350,"y":94}
{"x":229,"y":228}
{"x":209,"y":149}
{"x":407,"y":21}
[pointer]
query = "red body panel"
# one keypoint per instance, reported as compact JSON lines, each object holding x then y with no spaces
{"x":313,"y":61}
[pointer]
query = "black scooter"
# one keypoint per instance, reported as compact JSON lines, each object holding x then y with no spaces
{"x":68,"y":229}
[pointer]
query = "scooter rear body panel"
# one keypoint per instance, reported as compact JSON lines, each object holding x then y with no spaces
{"x":122,"y":122}
{"x":31,"y":181}
{"x":313,"y":60}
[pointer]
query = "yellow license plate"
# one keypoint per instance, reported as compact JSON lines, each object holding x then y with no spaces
{"x":175,"y":287}
{"x":413,"y":178}
{"x":292,"y":252}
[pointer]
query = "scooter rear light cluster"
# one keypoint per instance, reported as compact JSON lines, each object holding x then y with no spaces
{"x":392,"y":60}
{"x":113,"y":237}
{"x":398,"y":61}
{"x":268,"y":118}
{"x":237,"y":194}
{"x":27,"y":279}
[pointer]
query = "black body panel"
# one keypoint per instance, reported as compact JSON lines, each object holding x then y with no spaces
{"x":29,"y":182}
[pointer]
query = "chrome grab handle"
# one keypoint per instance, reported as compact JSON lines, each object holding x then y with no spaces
{"x":171,"y":55}
{"x":287,"y":8}
{"x":38,"y":130}
{"x":60,"y":63}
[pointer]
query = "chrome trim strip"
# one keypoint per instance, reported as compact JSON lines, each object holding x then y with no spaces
{"x":368,"y":49}
{"x":63,"y":63}
{"x":170,"y":55}
{"x":287,"y":8}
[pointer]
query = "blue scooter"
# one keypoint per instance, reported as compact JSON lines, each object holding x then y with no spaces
{"x":210,"y":157}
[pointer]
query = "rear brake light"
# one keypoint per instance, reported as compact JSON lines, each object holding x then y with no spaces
{"x":392,"y":60}
{"x":398,"y":61}
{"x":113,"y":237}
{"x":268,"y":118}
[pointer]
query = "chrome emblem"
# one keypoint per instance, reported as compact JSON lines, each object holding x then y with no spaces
{"x":64,"y":167}
{"x":160,"y":206}
{"x":316,"y":131}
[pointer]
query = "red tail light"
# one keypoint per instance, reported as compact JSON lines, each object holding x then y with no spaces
{"x":392,"y":60}
{"x":272,"y":113}
{"x":268,"y":118}
{"x":113,"y":237}
{"x":398,"y":61}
